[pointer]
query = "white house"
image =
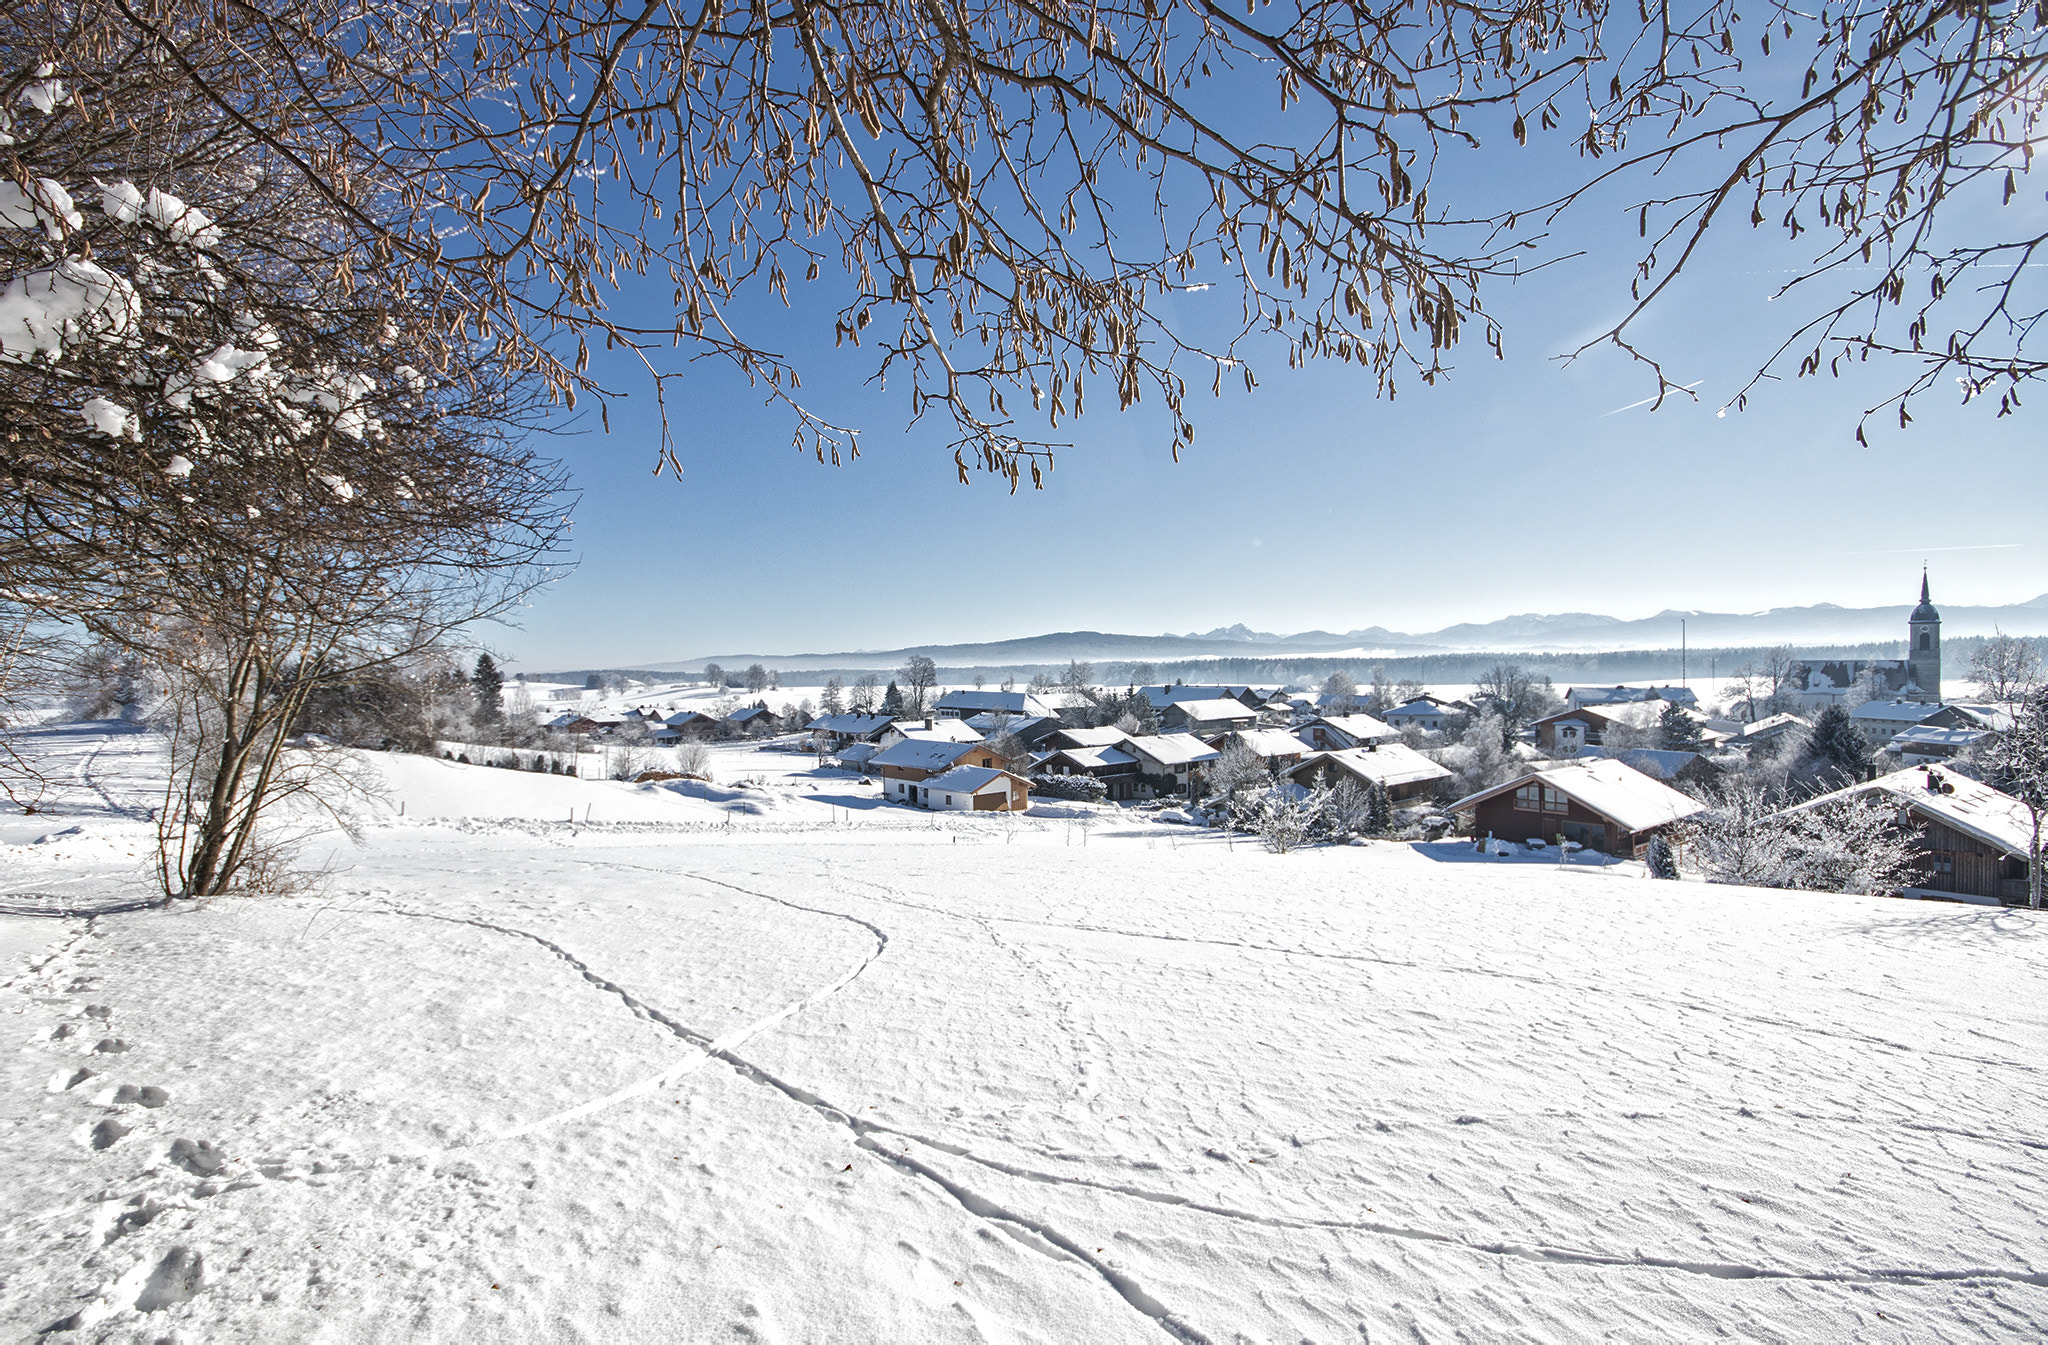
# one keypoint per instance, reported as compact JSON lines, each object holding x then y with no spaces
{"x":931,"y":727}
{"x":975,"y":789}
{"x":1881,"y":721}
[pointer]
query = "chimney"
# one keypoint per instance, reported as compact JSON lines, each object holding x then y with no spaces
{"x":927,"y":723}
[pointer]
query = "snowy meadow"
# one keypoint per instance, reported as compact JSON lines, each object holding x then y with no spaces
{"x":794,"y":1065}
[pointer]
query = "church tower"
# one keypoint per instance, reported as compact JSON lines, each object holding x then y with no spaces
{"x":1923,"y":648}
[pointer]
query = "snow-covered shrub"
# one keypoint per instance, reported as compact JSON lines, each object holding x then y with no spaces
{"x":1658,"y":859}
{"x":1078,"y":788}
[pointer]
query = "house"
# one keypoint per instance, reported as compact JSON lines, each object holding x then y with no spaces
{"x":1973,"y":840}
{"x":1426,"y":713}
{"x":1923,"y":743}
{"x":1580,"y":698}
{"x":914,"y":761}
{"x":1163,"y":696}
{"x":1673,"y":768}
{"x":754,"y":719}
{"x":961,"y":704}
{"x":1770,"y":729}
{"x":1116,"y":768}
{"x":1179,"y":757}
{"x":936,"y":729}
{"x":594,"y":723}
{"x":1881,"y":721}
{"x":1570,"y":731}
{"x":1090,"y":737}
{"x":839,"y":730}
{"x":1278,"y":749}
{"x":1333,"y":733}
{"x":1030,"y":730}
{"x":974,"y":789}
{"x":1204,"y":718}
{"x":690,"y":723}
{"x":1603,"y":805}
{"x":1408,"y":776}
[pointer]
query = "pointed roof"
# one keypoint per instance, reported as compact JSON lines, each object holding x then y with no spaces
{"x":1925,"y":611}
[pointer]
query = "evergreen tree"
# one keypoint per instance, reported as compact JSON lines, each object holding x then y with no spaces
{"x":489,"y":685}
{"x":1657,"y":857}
{"x":833,"y":702}
{"x":1379,"y":809}
{"x":1836,"y":745}
{"x":1678,"y":731}
{"x":892,"y":701}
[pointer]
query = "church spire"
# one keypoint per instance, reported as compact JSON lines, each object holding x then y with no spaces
{"x":1923,"y":584}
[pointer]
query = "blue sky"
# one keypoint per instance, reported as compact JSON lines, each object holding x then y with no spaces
{"x":1513,"y":486}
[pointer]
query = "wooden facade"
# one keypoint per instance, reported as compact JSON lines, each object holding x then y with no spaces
{"x":1536,"y":812}
{"x":1952,"y":861}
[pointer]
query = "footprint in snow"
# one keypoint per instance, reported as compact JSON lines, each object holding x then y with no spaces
{"x":108,"y":1133}
{"x":63,"y":1081}
{"x":146,"y":1095}
{"x":111,"y":1046}
{"x":198,"y":1157}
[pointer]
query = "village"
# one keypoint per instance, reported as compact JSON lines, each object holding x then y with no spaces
{"x":1627,"y":772}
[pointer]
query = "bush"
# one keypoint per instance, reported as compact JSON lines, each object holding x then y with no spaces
{"x":1079,"y":788}
{"x":1657,"y":857}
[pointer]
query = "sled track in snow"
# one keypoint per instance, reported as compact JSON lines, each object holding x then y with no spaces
{"x":871,"y":1137}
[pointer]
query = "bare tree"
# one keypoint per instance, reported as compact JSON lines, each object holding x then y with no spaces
{"x":918,"y":676}
{"x":865,"y":694}
{"x":2016,"y":761}
{"x":2005,"y":669}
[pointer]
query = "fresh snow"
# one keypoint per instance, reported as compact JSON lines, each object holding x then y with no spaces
{"x":841,"y":1071}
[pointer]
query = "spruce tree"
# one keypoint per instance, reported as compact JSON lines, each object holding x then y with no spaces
{"x":892,"y":701}
{"x":1379,"y":809}
{"x":489,"y":686}
{"x":1836,"y":745}
{"x":1678,"y":731}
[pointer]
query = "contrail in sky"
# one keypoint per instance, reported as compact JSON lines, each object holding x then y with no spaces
{"x":1928,"y":550}
{"x":1647,"y":400}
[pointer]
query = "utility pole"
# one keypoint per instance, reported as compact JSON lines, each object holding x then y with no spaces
{"x":1681,"y":651}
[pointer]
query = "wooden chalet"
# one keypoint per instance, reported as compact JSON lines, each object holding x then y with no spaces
{"x":1603,"y":805}
{"x":1972,"y":840}
{"x":914,"y":761}
{"x":1409,"y":777}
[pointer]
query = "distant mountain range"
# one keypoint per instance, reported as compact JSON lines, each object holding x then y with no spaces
{"x":1821,"y":624}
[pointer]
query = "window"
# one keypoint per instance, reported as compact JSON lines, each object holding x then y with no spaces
{"x":1554,"y":802}
{"x":1926,"y":640}
{"x":949,"y":798}
{"x":1525,"y":798}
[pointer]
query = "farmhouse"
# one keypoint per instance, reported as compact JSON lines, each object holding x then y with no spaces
{"x":1580,"y":698}
{"x":1603,"y":805}
{"x":839,"y":730}
{"x":961,"y":704}
{"x":1408,"y":776}
{"x":1973,"y":840}
{"x":1178,"y":757}
{"x":914,"y":761}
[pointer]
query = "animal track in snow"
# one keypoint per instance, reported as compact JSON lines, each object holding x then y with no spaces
{"x":146,"y":1095}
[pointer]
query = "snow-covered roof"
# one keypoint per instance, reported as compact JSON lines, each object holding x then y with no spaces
{"x":1270,"y":742}
{"x":967,"y":779}
{"x":924,"y":754}
{"x":1894,"y":712}
{"x":1172,"y":749}
{"x":1970,"y":806}
{"x":682,"y":717}
{"x":1106,"y":736}
{"x":1096,"y":758}
{"x":1926,"y":735}
{"x":1360,"y":727}
{"x":1620,"y":695}
{"x":1216,"y":711}
{"x":1006,"y":702}
{"x":1651,"y":761}
{"x":1163,"y":696}
{"x":1768,"y":726}
{"x":1389,"y":764}
{"x":1608,"y":787}
{"x":858,"y":726}
{"x":941,"y":730}
{"x":990,"y":720}
{"x":857,"y":753}
{"x":752,"y":712}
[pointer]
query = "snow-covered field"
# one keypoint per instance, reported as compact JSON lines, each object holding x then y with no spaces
{"x":812,"y":1069}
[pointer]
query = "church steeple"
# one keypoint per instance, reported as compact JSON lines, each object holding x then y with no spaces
{"x":1923,"y":646}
